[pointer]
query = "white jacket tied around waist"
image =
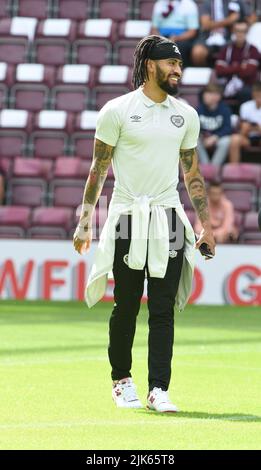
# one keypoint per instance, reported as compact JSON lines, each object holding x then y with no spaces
{"x":147,"y":233}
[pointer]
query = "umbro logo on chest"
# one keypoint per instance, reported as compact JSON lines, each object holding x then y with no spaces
{"x":135,"y":118}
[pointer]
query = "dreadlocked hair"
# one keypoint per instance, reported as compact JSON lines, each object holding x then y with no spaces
{"x":139,"y":74}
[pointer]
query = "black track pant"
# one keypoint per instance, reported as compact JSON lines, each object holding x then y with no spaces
{"x":129,"y":284}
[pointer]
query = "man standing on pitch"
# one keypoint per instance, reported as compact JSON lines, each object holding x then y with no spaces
{"x":145,"y":134}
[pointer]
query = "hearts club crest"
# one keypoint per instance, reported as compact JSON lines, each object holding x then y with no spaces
{"x":177,"y":120}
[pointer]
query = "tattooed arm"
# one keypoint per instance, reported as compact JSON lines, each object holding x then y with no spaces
{"x":102,"y":157}
{"x":195,"y":185}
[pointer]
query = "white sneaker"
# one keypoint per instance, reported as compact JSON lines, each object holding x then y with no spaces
{"x":158,"y":400}
{"x":124,"y":394}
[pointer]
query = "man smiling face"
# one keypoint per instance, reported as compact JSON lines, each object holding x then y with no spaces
{"x":167,"y":75}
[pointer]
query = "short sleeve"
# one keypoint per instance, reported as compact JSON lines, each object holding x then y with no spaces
{"x":108,"y":125}
{"x":190,"y":139}
{"x":244,"y":112}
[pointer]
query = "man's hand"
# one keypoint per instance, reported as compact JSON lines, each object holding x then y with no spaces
{"x":82,"y":239}
{"x":206,"y":236}
{"x":210,"y":141}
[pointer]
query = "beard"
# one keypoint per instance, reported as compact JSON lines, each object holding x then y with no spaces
{"x":165,"y":85}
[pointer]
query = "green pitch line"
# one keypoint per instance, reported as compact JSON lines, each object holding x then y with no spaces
{"x":56,"y":388}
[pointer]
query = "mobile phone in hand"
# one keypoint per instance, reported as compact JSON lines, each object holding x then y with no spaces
{"x":204,"y":249}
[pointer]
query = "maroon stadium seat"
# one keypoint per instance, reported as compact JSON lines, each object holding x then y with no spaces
{"x":70,"y":98}
{"x":72,"y":93}
{"x":71,"y":167}
{"x":243,"y":199}
{"x":12,"y":143}
{"x":5,"y":166}
{"x":6,"y":73}
{"x":145,"y":9}
{"x":76,"y":74}
{"x":47,"y":233}
{"x":75,"y":10}
{"x":14,"y":221}
{"x":32,"y":167}
{"x":29,"y":192}
{"x":123,"y":52}
{"x":113,"y":81}
{"x":51,"y":51}
{"x":12,"y":119}
{"x":50,"y":222}
{"x":86,"y":121}
{"x":30,"y":97}
{"x":62,"y":28}
{"x":242,"y":173}
{"x":31,"y":90}
{"x":134,"y":29}
{"x":129,"y":33}
{"x":53,"y":38}
{"x":191,"y":98}
{"x":21,"y":27}
{"x":104,"y":28}
{"x":50,"y":138}
{"x":103,"y":94}
{"x":210,"y":172}
{"x":35,"y":73}
{"x":251,"y":233}
{"x":13,"y":50}
{"x":39,"y":9}
{"x":9,"y":232}
{"x":93,"y":52}
{"x":82,"y":144}
{"x":54,"y":120}
{"x":114,"y":75}
{"x":250,"y":222}
{"x":118,"y":10}
{"x":47,"y":144}
{"x":5,"y":8}
{"x":67,"y":193}
{"x":3,"y":96}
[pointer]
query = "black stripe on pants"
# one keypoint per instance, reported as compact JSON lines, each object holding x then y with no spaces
{"x":129,"y":285}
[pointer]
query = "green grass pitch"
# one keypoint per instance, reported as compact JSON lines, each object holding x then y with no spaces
{"x":56,"y":386}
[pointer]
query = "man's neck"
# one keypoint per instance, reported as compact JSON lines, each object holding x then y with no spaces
{"x":155,"y":93}
{"x":212,"y":107}
{"x":240,"y":45}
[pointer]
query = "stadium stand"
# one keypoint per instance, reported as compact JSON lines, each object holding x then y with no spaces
{"x":60,"y":61}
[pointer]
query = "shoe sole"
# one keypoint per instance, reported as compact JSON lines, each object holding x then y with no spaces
{"x":128,"y":407}
{"x":156,"y":411}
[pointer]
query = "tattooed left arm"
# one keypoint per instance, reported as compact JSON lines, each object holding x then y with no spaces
{"x":195,"y":185}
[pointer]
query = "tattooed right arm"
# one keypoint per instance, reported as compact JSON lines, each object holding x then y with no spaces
{"x":102,"y":157}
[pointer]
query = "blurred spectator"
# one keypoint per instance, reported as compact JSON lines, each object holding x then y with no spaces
{"x":215,"y":125}
{"x":237,"y":65}
{"x":179,"y":21}
{"x":217,"y":18}
{"x":222,"y":217}
{"x":2,"y":187}
{"x":250,"y":125}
